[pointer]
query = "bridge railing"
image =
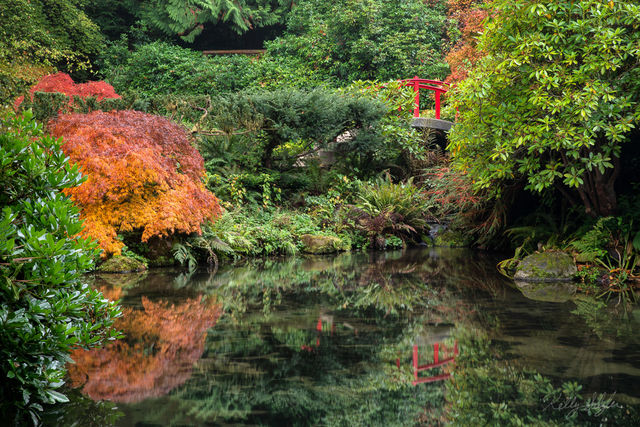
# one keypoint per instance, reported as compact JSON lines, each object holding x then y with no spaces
{"x":435,"y":86}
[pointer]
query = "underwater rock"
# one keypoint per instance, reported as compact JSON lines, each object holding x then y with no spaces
{"x":320,"y":244}
{"x":546,"y":267}
{"x":547,"y":292}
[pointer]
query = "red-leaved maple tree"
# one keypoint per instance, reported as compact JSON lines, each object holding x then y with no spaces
{"x":142,"y":175}
{"x":63,"y":83}
{"x":464,"y":55}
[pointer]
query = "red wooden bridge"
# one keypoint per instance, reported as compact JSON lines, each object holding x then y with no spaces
{"x":438,"y":88}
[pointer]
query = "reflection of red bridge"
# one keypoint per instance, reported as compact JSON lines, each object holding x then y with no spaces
{"x":437,"y":362}
{"x":439,"y":349}
{"x":332,"y":327}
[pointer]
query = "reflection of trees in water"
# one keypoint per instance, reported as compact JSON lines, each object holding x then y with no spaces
{"x":262,"y":366}
{"x":389,"y":282}
{"x":275,"y":371}
{"x":81,"y":411}
{"x":162,"y":343}
{"x":258,"y":371}
{"x":488,"y":389}
{"x":255,"y":366}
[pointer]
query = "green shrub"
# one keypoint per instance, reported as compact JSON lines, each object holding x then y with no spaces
{"x":277,"y":129}
{"x":253,"y":232}
{"x":157,"y":68}
{"x":38,"y":36}
{"x":45,"y":307}
{"x":160,"y":68}
{"x":388,"y":209}
{"x":400,"y":147}
{"x":551,"y":124}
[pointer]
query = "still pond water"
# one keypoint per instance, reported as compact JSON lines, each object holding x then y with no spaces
{"x":329,"y":341}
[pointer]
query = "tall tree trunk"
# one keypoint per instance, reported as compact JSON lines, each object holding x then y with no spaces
{"x":598,"y":193}
{"x":267,"y":155}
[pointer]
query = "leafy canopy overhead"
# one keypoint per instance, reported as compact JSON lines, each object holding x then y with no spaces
{"x":554,"y":99}
{"x":187,"y":18}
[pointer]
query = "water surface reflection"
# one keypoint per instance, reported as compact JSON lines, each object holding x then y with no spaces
{"x":329,"y":340}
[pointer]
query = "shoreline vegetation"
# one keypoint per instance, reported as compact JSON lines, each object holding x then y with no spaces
{"x":124,"y":147}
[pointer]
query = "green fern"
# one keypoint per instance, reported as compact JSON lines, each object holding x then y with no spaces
{"x":187,"y":18}
{"x":595,"y":241}
{"x":185,"y":256}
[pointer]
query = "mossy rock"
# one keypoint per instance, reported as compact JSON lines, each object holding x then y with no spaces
{"x":120,"y":280}
{"x":121,"y":264}
{"x":546,"y":267}
{"x":321,"y":244}
{"x":450,"y":239}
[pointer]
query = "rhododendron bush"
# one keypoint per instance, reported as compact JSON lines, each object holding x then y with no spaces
{"x":142,"y":175}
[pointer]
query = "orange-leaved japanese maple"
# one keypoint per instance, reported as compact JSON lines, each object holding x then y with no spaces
{"x":142,"y":175}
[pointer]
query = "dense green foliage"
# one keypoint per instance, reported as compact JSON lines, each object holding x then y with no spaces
{"x":361,"y":215}
{"x":399,"y":209}
{"x":554,"y":99}
{"x":39,"y":36}
{"x":185,"y":19}
{"x":331,"y":42}
{"x":46,"y":309}
{"x":366,"y":39}
{"x":247,"y":232}
{"x":162,"y":68}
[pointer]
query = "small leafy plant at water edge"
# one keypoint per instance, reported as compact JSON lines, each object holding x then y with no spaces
{"x":613,"y":245}
{"x":385,"y":208}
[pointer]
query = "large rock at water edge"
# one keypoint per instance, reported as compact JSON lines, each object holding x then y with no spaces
{"x":546,"y":267}
{"x":320,"y":244}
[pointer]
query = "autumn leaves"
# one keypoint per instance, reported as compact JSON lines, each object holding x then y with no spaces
{"x":142,"y":173}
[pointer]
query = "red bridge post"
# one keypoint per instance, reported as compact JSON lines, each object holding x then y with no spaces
{"x":416,"y":90}
{"x":436,"y":86}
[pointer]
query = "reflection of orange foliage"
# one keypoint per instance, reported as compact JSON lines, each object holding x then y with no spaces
{"x":111,"y":293}
{"x":162,"y":343}
{"x":143,"y":173}
{"x":63,"y":83}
